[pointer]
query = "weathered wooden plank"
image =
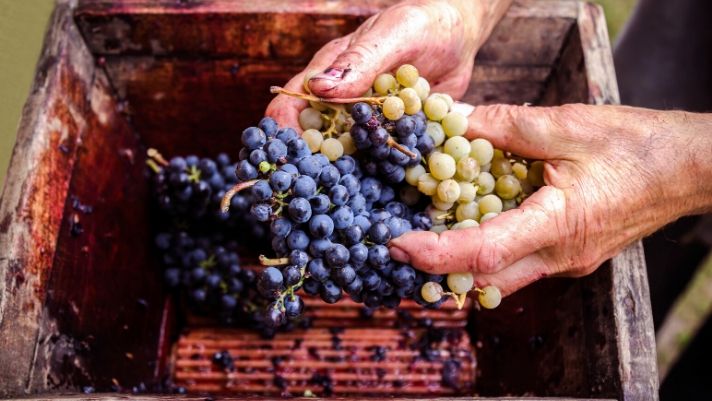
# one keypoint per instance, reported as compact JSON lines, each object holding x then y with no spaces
{"x":105,"y":290}
{"x":630,"y":293}
{"x":271,"y":29}
{"x":503,"y":92}
{"x":52,"y":125}
{"x":525,"y":41}
{"x":156,"y":397}
{"x":80,"y":302}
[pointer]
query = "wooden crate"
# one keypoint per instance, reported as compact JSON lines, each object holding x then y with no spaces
{"x":81,"y":301}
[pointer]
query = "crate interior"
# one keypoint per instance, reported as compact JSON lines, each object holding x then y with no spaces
{"x":186,"y":78}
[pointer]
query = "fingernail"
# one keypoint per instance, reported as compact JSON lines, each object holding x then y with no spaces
{"x":331,"y":73}
{"x":399,"y":254}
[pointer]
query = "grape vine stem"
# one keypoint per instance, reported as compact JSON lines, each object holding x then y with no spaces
{"x":265,"y":261}
{"x":225,"y":203}
{"x":392,"y":143}
{"x":282,"y":91}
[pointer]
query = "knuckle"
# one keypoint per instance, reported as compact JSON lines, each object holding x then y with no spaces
{"x":487,"y":257}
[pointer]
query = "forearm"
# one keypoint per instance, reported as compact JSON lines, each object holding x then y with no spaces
{"x":696,"y":168}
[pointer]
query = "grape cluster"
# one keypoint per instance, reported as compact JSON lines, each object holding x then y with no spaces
{"x":330,"y":224}
{"x":207,"y":269}
{"x":189,"y":190}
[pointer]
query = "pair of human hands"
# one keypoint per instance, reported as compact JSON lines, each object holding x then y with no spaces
{"x":614,"y":174}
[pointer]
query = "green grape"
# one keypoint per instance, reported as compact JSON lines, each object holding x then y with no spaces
{"x":498,"y":153}
{"x":318,"y":106}
{"x":519,"y":170}
{"x":488,"y":216}
{"x":535,"y":175}
{"x":435,"y":108}
{"x":385,"y":83}
{"x":427,"y":184}
{"x":486,"y":168}
{"x":431,"y":292}
{"x":310,"y":118}
{"x":441,"y":165}
{"x":500,"y":167}
{"x":460,"y":283}
{"x":454,"y":124}
{"x":435,"y":130}
{"x":422,"y":88}
{"x":482,"y":151}
{"x":448,"y":191}
{"x":467,"y":192}
{"x":348,"y":143}
{"x":442,"y":205}
{"x":467,"y":169}
{"x":332,"y":149}
{"x":412,"y":174}
{"x":447,"y":98}
{"x":313,"y":138}
{"x":467,"y":211}
{"x":407,"y":75}
{"x":490,"y":297}
{"x":440,"y":228}
{"x":485,"y":183}
{"x":490,"y":204}
{"x":411,"y":101}
{"x":461,"y":225}
{"x":457,"y":147}
{"x":409,"y":195}
{"x":507,"y":187}
{"x":393,"y":108}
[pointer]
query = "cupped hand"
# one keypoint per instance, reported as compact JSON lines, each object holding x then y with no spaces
{"x":439,"y":37}
{"x":614,"y":174}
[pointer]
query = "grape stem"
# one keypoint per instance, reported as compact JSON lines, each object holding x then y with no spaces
{"x":154,"y":166}
{"x":225,"y":203}
{"x":392,"y":143}
{"x":459,"y":299}
{"x":372,"y":100}
{"x":155,"y":155}
{"x":265,"y":261}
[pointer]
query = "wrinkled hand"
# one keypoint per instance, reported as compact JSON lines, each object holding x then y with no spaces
{"x":614,"y":174}
{"x":439,"y":37}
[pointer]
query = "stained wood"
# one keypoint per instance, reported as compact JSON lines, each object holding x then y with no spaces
{"x":153,"y":397}
{"x":52,"y":124}
{"x":81,"y":301}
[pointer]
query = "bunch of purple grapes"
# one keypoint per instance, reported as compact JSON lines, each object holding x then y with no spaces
{"x":330,"y":223}
{"x":207,"y":269}
{"x":373,"y":135}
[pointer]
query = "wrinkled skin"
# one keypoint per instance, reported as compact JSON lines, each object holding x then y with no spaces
{"x":439,"y":37}
{"x":614,"y":174}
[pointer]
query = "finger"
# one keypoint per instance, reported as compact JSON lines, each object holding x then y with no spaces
{"x":518,"y":275}
{"x":285,"y":109}
{"x":378,"y":46}
{"x":527,"y":131}
{"x":498,"y":243}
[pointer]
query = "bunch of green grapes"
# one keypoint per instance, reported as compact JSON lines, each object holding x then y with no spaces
{"x":470,"y":182}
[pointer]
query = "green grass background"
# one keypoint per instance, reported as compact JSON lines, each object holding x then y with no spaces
{"x":22,"y":26}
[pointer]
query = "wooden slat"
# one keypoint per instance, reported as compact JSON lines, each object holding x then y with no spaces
{"x":350,"y":367}
{"x":157,"y":397}
{"x":531,"y":33}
